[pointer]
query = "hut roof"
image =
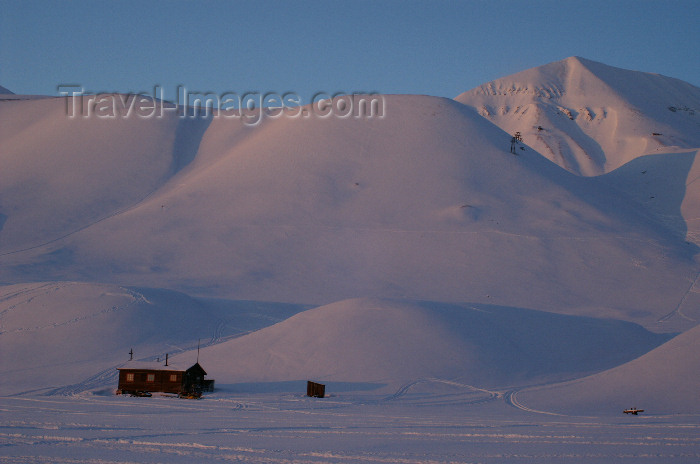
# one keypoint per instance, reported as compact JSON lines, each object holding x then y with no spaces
{"x":197,"y":367}
{"x":155,"y":366}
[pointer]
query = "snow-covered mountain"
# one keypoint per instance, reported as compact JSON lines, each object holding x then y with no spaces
{"x":416,"y":233}
{"x":425,"y":203}
{"x":591,"y":118}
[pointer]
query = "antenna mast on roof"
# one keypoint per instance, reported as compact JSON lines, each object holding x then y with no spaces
{"x":199,"y":340}
{"x":131,"y":354}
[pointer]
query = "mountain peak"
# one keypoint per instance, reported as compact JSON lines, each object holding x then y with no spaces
{"x":575,"y":60}
{"x":589,"y":117}
{"x":551,"y":80}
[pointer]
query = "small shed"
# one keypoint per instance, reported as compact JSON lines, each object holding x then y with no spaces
{"x":137,"y":376}
{"x":314,"y":389}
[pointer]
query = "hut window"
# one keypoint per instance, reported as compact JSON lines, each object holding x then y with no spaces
{"x":130,"y":377}
{"x":150,"y":378}
{"x":173,"y":377}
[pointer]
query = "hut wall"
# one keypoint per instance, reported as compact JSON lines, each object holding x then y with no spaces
{"x":151,"y":381}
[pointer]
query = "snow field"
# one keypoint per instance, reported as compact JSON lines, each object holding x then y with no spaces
{"x":289,"y":428}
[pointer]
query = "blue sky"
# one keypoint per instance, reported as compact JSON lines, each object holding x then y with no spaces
{"x":435,"y":48}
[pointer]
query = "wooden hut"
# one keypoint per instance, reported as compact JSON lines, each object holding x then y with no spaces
{"x":317,"y":390}
{"x":136,"y":377}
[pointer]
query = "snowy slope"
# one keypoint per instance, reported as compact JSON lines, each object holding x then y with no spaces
{"x":67,"y":337}
{"x":663,"y":381}
{"x":396,"y":342}
{"x":61,"y":174}
{"x":424,"y":203}
{"x":591,"y":118}
{"x":71,"y":336}
{"x":665,"y":185}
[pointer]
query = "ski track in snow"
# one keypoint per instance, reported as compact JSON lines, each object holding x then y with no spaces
{"x":512,"y":400}
{"x":53,"y":287}
{"x":678,"y":309}
{"x":468,"y":394}
{"x":105,"y":377}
